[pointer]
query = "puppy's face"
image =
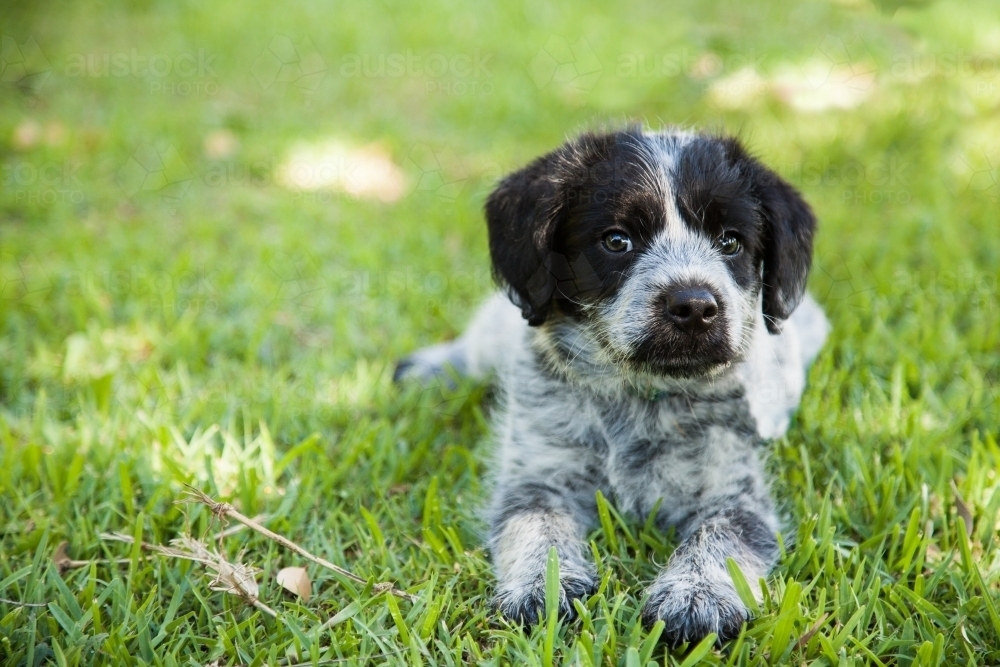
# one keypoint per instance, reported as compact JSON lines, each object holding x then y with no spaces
{"x":657,"y":248}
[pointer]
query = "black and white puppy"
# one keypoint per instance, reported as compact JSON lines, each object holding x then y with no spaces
{"x":654,"y":335}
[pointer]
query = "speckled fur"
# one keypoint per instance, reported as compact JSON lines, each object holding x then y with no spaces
{"x":581,"y":413}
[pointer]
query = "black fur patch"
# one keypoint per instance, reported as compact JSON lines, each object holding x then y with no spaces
{"x":669,"y":351}
{"x":786,"y":250}
{"x":547,"y":220}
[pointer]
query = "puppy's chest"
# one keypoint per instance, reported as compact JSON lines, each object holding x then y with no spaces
{"x":632,"y":431}
{"x":673,"y":448}
{"x":672,"y":427}
{"x":679,"y":447}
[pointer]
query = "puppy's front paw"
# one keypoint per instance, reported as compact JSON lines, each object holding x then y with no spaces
{"x":525,"y":602}
{"x":692,"y":608}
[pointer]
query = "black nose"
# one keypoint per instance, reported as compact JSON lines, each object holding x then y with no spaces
{"x":691,"y":309}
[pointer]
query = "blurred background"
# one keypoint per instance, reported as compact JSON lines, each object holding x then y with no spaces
{"x":221,"y":221}
{"x":261,"y":187}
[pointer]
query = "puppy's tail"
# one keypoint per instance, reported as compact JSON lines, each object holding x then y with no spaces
{"x":479,"y":351}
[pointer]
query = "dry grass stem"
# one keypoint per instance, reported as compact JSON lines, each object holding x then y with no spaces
{"x":225,"y":510}
{"x":236,"y":528}
{"x":63,"y":562}
{"x":236,"y":579}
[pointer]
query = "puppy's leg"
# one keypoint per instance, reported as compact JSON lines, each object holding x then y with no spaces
{"x":530,"y":517}
{"x":694,"y":594}
{"x":495,"y":327}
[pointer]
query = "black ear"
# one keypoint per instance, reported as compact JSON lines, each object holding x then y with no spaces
{"x":788,"y":247}
{"x":522,"y":215}
{"x":789,"y":227}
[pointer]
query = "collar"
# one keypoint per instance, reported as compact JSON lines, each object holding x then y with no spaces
{"x":648,"y":393}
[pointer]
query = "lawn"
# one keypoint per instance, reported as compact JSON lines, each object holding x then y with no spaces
{"x":180,"y":305}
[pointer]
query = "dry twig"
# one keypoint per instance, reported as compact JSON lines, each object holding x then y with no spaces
{"x":237,"y":579}
{"x":63,"y":562}
{"x":224,"y":510}
{"x":232,"y":530}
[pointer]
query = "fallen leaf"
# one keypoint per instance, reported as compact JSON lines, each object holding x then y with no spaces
{"x":804,"y":639}
{"x":60,"y":558}
{"x":963,"y":510}
{"x":296,"y":580}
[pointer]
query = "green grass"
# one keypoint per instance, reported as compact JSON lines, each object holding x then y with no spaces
{"x":223,"y":332}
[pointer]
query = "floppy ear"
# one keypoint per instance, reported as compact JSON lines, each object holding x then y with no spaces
{"x":522,"y":215}
{"x":788,"y":242}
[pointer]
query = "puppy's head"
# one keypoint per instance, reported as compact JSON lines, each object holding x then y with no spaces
{"x":658,"y":248}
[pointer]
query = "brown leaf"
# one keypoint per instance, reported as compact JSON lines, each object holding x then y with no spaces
{"x":296,"y":580}
{"x":962,"y":509}
{"x":60,"y":559}
{"x":804,"y":639}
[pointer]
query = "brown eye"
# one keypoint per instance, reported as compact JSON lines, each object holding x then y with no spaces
{"x":617,"y":242}
{"x":728,"y":244}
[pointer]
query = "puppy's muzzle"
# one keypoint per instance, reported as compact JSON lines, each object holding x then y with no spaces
{"x":691,"y":308}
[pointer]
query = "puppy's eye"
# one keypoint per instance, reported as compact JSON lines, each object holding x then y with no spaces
{"x":617,"y":242}
{"x":728,"y":244}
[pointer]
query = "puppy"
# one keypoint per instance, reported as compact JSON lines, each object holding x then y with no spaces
{"x":653,"y":335}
